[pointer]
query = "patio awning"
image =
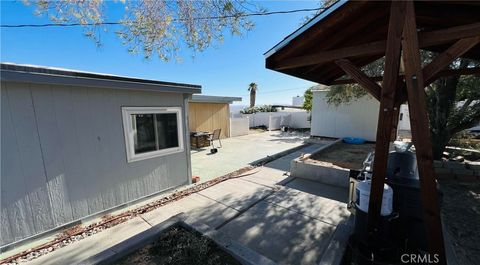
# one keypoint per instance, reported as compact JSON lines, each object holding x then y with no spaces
{"x":358,"y":30}
{"x":352,"y":34}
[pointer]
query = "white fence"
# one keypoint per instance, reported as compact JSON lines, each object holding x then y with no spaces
{"x":299,"y":119}
{"x":239,"y":126}
{"x":274,"y":120}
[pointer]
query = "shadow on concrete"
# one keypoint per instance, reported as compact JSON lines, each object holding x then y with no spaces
{"x":282,"y":164}
{"x":319,"y":189}
{"x":286,"y":235}
{"x":289,"y":227}
{"x":197,"y":150}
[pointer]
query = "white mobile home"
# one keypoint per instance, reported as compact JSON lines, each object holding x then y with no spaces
{"x":76,"y":144}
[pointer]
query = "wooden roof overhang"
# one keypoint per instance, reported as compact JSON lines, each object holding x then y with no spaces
{"x":352,"y":34}
{"x":357,"y":31}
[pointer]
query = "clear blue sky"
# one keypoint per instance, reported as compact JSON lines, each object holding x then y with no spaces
{"x":225,"y":70}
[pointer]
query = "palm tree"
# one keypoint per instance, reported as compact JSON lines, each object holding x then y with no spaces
{"x":253,"y":93}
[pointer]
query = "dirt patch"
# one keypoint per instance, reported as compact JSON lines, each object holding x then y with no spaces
{"x":344,"y":155}
{"x":180,"y":246}
{"x":461,"y":213}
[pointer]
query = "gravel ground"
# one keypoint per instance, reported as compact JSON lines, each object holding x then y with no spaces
{"x":461,"y":213}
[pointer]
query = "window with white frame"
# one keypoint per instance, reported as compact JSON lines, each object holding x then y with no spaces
{"x":152,"y":131}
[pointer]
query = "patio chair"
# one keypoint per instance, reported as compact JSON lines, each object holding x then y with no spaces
{"x":215,"y":136}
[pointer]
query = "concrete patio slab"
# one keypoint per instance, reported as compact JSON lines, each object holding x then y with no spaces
{"x":236,"y":193}
{"x":335,"y":251}
{"x":283,"y":163}
{"x":198,"y":208}
{"x":319,"y":189}
{"x":239,"y":152}
{"x":275,"y":172}
{"x":284,"y":236}
{"x":291,"y":224}
{"x":266,"y":176}
{"x":83,"y":249}
{"x":320,"y":208}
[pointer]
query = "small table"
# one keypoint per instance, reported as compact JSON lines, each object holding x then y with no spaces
{"x":199,"y":139}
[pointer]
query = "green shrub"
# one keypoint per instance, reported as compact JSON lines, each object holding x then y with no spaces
{"x":264,"y":108}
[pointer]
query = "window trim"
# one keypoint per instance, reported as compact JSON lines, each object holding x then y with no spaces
{"x":129,"y":132}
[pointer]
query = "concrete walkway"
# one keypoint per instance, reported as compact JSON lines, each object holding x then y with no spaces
{"x":290,"y":224}
{"x":239,"y":152}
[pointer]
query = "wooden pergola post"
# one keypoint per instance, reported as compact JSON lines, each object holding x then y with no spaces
{"x":403,"y":22}
{"x":449,"y":28}
{"x":386,"y":113}
{"x":403,"y":35}
{"x":421,"y":135}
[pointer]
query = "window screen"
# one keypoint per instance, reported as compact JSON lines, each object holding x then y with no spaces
{"x":152,"y":131}
{"x":155,"y":132}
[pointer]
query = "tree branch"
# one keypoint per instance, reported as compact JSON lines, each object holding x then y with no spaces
{"x":465,"y":105}
{"x":472,"y":121}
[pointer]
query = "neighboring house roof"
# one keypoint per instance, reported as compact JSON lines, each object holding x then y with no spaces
{"x":214,"y":99}
{"x":58,"y":76}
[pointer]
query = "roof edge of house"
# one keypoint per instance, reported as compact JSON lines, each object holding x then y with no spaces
{"x":57,"y":76}
{"x":214,"y":99}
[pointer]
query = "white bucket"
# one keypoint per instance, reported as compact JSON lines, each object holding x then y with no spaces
{"x":363,"y":197}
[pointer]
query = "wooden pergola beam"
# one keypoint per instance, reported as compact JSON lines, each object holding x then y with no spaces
{"x":386,"y":114}
{"x":442,"y":73}
{"x":443,"y":36}
{"x":354,"y":72}
{"x":371,"y":48}
{"x":421,"y":134}
{"x":447,"y":57}
{"x":426,"y":39}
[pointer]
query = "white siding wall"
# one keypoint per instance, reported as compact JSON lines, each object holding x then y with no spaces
{"x":357,"y":119}
{"x":404,"y":119}
{"x":63,"y":155}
